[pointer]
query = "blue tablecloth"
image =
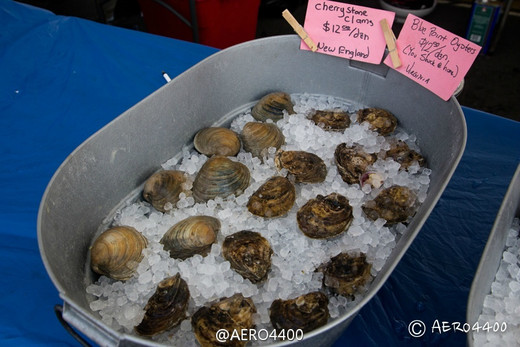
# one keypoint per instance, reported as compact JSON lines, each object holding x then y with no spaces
{"x":63,"y":78}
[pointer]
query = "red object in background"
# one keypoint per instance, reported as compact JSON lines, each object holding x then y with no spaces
{"x":220,"y":23}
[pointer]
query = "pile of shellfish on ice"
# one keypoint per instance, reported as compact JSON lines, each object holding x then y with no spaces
{"x":284,"y":218}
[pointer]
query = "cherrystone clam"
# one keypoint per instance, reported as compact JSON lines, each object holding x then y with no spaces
{"x":217,"y":141}
{"x":190,"y":236}
{"x":164,"y":187}
{"x":117,"y":252}
{"x":272,"y":106}
{"x":220,"y":176}
{"x":258,"y":137}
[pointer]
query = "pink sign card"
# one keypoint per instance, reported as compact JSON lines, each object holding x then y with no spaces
{"x":433,"y":57}
{"x":347,"y":31}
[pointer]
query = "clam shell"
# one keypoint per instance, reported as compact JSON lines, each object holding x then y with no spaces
{"x":274,"y":198}
{"x":164,"y":187}
{"x":352,"y":162}
{"x":272,"y":106}
{"x":345,"y":273}
{"x":231,"y":314}
{"x":306,"y":312}
{"x":166,"y":308}
{"x":217,"y":141}
{"x":117,"y":252}
{"x":380,"y":120}
{"x":325,"y":216}
{"x":394,"y":204}
{"x":304,"y":166}
{"x":405,"y":156}
{"x":190,"y":236}
{"x":331,"y":120}
{"x":258,"y":137}
{"x":249,"y":254}
{"x":220,"y":176}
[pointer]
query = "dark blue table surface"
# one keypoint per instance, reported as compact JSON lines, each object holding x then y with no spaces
{"x":63,"y":78}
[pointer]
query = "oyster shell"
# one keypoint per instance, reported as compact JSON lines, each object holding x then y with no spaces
{"x":249,"y":254}
{"x":307,"y":312}
{"x":274,"y":198}
{"x":220,"y":176}
{"x":352,"y":162}
{"x":332,"y":120}
{"x":234,"y":313}
{"x":166,"y":308}
{"x":395,"y":204}
{"x":344,"y":273}
{"x":216,"y":140}
{"x":405,"y":156}
{"x":164,"y":187}
{"x":272,"y":106}
{"x":306,"y":167}
{"x":258,"y":137}
{"x":325,"y":216}
{"x":190,"y":236}
{"x":380,"y":120}
{"x":117,"y":252}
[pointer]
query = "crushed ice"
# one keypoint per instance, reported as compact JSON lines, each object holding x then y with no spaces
{"x":502,"y":305}
{"x":295,"y":256}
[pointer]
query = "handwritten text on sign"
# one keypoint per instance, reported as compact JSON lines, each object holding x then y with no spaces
{"x":433,"y":57}
{"x":346,"y":31}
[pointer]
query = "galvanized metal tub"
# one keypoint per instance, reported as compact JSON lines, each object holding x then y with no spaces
{"x":112,"y":165}
{"x":490,"y":260}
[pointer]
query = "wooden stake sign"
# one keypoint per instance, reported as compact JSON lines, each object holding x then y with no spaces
{"x":299,"y":30}
{"x":390,"y":43}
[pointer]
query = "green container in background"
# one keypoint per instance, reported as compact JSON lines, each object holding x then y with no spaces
{"x":484,"y":17}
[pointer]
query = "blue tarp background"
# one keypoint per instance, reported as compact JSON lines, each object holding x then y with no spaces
{"x":63,"y":78}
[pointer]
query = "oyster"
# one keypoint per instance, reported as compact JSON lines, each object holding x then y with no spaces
{"x":325,"y":216}
{"x":220,"y":176}
{"x":166,"y":308}
{"x":164,"y":187}
{"x":344,"y":273}
{"x":272,"y":106}
{"x":334,"y":120}
{"x":231,"y":314}
{"x":395,"y":204}
{"x":306,"y":167}
{"x":352,"y":162}
{"x":274,"y":198}
{"x":306,"y":312}
{"x":258,"y":137}
{"x":190,"y":236}
{"x":405,"y":156}
{"x":117,"y":252}
{"x":380,"y":120}
{"x":216,"y":140}
{"x":249,"y":254}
